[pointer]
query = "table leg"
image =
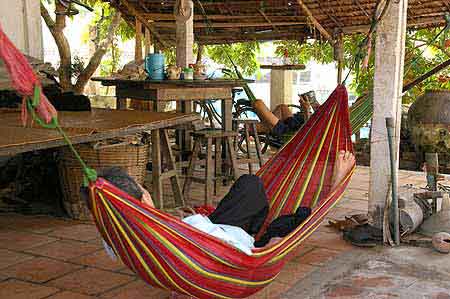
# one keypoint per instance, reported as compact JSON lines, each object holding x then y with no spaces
{"x":156,"y":168}
{"x":121,"y":103}
{"x":227,"y":125}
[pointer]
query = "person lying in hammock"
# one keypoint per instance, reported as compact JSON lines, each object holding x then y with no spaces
{"x":281,"y":122}
{"x":240,"y":214}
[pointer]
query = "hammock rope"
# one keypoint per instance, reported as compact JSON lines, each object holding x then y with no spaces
{"x":89,"y":174}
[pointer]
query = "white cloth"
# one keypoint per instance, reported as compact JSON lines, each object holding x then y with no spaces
{"x":233,"y":235}
{"x":109,"y":251}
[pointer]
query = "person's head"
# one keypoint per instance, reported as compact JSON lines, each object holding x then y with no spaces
{"x":122,"y":180}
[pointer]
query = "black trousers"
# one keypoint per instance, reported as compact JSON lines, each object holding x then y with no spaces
{"x":245,"y":205}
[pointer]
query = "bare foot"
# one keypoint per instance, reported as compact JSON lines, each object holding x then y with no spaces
{"x":344,"y":162}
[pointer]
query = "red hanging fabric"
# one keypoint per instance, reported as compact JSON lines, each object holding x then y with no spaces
{"x":23,"y":79}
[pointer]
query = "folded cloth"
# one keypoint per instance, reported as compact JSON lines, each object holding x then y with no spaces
{"x":283,"y":225}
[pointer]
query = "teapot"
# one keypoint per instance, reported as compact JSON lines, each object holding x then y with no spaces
{"x":173,"y":72}
{"x":199,"y":71}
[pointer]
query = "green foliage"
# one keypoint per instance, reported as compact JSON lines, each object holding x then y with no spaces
{"x":419,"y":59}
{"x":301,"y":53}
{"x":243,"y":54}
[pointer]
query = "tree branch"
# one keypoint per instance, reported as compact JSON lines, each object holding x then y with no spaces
{"x":96,"y":58}
{"x":56,"y":29}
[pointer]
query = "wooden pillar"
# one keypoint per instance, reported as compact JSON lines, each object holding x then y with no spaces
{"x":339,"y":56}
{"x":185,"y":32}
{"x":138,"y":46}
{"x":387,"y":92}
{"x":147,"y":42}
{"x":184,"y":15}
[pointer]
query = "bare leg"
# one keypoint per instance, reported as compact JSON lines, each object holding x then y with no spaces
{"x":285,"y":112}
{"x":344,"y":162}
{"x":282,"y":112}
{"x":267,"y":117}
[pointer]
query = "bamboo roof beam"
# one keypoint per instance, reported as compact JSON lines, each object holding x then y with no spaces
{"x":266,"y":18}
{"x":319,"y":27}
{"x":229,"y":25}
{"x":143,"y":20}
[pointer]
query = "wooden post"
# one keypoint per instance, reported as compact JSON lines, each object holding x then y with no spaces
{"x":339,"y":56}
{"x":184,"y":15}
{"x":387,"y":91}
{"x":138,"y":46}
{"x":147,"y":42}
{"x":185,"y":32}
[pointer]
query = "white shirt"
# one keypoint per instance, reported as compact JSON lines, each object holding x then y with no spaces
{"x":233,"y":235}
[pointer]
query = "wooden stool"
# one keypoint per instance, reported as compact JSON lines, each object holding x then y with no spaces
{"x":210,"y":137}
{"x":247,"y":124}
{"x":161,"y":150}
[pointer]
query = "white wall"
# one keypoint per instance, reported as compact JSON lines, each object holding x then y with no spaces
{"x":21,"y":21}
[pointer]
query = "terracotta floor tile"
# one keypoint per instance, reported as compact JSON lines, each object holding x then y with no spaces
{"x":301,"y":250}
{"x":318,"y":256}
{"x":64,"y":249}
{"x":274,"y":290}
{"x":355,"y":204}
{"x":90,"y":281}
{"x":79,"y":232}
{"x":135,"y":290}
{"x":14,"y":289}
{"x":70,"y":295}
{"x":36,"y":224}
{"x":329,"y":240}
{"x":39,"y":270}
{"x":8,"y":258}
{"x":343,"y":292}
{"x":293,"y":272}
{"x":17,"y":240}
{"x":99,"y":259}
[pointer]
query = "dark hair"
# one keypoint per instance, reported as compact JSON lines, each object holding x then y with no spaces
{"x":120,"y":178}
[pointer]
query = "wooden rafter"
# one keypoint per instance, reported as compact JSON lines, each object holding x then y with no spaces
{"x":229,"y":25}
{"x":130,"y":7}
{"x":319,"y":27}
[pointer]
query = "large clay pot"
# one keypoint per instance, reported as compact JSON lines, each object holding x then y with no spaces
{"x":429,"y":121}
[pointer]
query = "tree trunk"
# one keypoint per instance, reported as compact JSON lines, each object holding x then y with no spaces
{"x":199,"y":54}
{"x":56,"y":29}
{"x":96,"y":58}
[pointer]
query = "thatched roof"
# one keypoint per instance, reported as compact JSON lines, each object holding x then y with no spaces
{"x":235,"y":21}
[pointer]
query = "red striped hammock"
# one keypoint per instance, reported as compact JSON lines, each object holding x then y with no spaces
{"x":169,"y":254}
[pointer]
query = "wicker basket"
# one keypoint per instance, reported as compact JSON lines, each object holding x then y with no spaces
{"x":132,"y":158}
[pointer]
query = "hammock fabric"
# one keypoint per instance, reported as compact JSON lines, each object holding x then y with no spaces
{"x":170,"y":254}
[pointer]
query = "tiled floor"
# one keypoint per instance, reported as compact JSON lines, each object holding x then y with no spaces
{"x":43,"y":257}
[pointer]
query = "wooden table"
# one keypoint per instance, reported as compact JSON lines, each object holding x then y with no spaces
{"x":96,"y":125}
{"x":182,"y":91}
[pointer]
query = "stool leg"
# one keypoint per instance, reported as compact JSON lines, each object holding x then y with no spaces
{"x":190,"y":170}
{"x":176,"y":186}
{"x":232,"y":156}
{"x":209,"y":171}
{"x":257,"y":145}
{"x":156,"y":168}
{"x":247,"y":144}
{"x":218,"y":162}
